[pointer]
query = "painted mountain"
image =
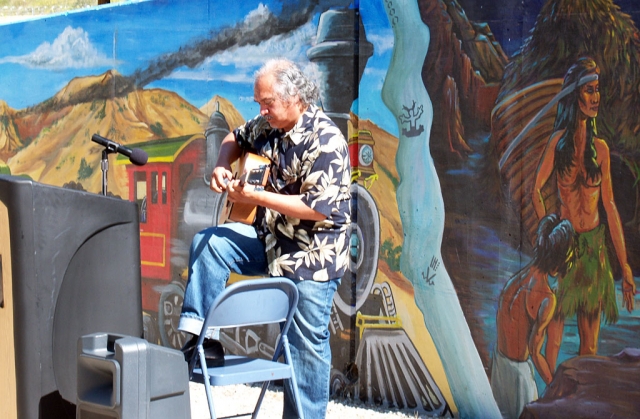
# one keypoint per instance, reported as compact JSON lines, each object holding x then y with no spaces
{"x":51,"y":142}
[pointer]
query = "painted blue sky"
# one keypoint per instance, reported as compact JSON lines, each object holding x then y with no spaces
{"x":39,"y":57}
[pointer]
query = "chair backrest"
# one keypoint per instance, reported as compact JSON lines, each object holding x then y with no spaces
{"x":254,"y":302}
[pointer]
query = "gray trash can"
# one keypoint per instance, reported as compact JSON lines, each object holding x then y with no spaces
{"x":129,"y":378}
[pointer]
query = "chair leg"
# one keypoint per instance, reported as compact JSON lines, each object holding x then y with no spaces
{"x":207,"y":383}
{"x":260,"y":398}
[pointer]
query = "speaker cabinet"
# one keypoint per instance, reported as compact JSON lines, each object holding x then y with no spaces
{"x":70,"y":266}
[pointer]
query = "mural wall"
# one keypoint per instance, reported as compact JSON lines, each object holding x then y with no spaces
{"x":468,"y":123}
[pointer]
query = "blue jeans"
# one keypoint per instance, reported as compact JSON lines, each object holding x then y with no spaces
{"x":310,"y":351}
{"x":218,"y":251}
{"x":214,"y":254}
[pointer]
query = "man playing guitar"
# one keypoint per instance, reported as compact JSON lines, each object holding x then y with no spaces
{"x":299,"y":232}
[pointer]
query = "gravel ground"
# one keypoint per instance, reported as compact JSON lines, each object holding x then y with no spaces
{"x":241,"y":399}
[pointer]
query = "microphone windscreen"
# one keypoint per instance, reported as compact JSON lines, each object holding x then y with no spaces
{"x":138,"y":157}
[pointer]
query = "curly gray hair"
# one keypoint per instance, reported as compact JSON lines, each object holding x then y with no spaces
{"x":290,"y":81}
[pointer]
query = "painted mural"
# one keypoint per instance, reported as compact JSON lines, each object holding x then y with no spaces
{"x":495,"y":184}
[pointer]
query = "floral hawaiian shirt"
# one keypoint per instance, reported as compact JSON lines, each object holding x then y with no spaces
{"x":311,"y":160}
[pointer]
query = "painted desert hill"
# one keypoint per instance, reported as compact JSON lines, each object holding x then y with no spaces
{"x":9,"y":139}
{"x":231,"y":114}
{"x":51,"y":142}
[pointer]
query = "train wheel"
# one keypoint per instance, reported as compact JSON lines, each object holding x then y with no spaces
{"x":364,"y":247}
{"x":150,"y":328}
{"x":338,"y":382}
{"x":169,"y":316}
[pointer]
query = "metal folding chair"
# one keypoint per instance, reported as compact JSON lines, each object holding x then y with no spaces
{"x":247,"y":303}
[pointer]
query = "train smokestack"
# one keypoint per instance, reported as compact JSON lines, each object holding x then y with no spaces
{"x":341,"y":54}
{"x":217,"y":129}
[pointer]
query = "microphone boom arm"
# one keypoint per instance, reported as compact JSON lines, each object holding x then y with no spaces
{"x":136,"y":156}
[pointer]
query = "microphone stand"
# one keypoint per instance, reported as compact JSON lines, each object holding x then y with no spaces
{"x":104,"y":165}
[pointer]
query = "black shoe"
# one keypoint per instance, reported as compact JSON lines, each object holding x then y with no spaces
{"x":213,"y":351}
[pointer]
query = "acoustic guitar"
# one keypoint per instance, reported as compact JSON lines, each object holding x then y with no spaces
{"x":254,"y":170}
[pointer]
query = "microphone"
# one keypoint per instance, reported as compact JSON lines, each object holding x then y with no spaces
{"x":136,"y":156}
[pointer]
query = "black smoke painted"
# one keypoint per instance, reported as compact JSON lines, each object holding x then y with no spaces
{"x":256,"y":28}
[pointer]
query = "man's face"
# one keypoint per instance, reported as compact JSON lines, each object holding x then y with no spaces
{"x":279,"y":114}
